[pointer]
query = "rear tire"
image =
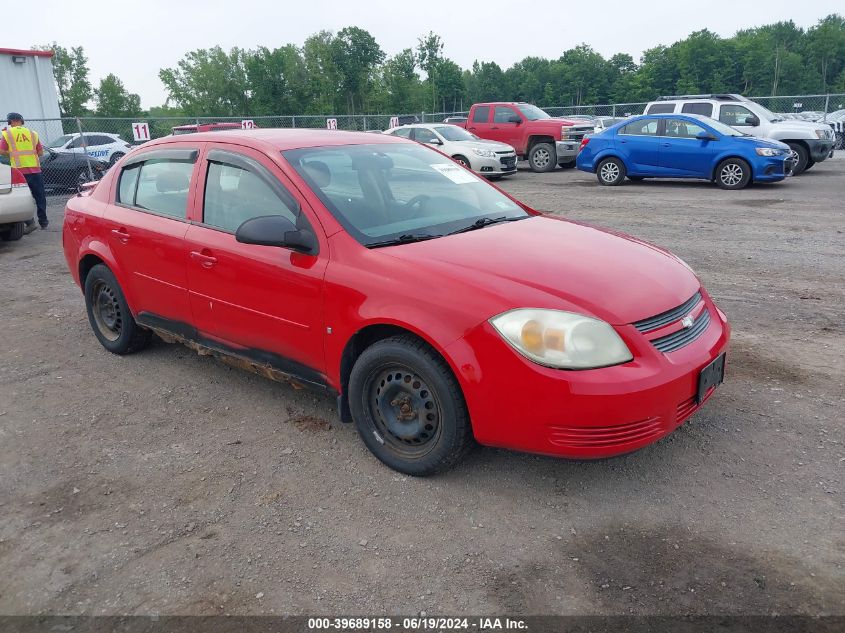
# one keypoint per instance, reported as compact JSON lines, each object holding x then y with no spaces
{"x":800,"y":157}
{"x":611,"y":172}
{"x":408,"y":407}
{"x":542,"y":158}
{"x":13,"y":233}
{"x":733,"y":173}
{"x":116,"y":157}
{"x":109,"y":314}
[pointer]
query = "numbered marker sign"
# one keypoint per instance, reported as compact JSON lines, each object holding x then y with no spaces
{"x":394,"y":121}
{"x":141,"y":131}
{"x":247,"y":124}
{"x":331,"y":124}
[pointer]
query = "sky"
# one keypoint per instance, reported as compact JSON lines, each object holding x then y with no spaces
{"x":134,"y":40}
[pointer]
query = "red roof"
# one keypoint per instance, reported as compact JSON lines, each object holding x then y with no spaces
{"x":18,"y":51}
{"x":274,"y":139}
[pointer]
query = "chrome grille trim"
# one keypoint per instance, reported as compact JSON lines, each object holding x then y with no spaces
{"x":665,"y":318}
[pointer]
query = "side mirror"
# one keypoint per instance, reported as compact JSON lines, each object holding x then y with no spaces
{"x":752,"y":120}
{"x":514,"y":119}
{"x":705,"y":136}
{"x":276,"y":230}
{"x":435,"y":141}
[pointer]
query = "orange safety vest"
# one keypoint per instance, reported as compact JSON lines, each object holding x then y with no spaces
{"x":22,"y":143}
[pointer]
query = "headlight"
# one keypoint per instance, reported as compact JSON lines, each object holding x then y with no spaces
{"x":822,"y":134}
{"x":769,"y":151}
{"x":564,"y":132}
{"x":486,"y":153}
{"x":563,"y":340}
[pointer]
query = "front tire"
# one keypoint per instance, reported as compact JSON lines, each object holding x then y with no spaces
{"x":800,"y":157}
{"x":116,"y":157}
{"x":408,"y":408}
{"x":733,"y":173}
{"x":109,"y":314}
{"x":462,"y":161}
{"x":611,"y":172}
{"x":542,"y":158}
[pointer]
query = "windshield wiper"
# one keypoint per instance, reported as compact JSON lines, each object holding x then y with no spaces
{"x":404,"y":239}
{"x":480,"y":223}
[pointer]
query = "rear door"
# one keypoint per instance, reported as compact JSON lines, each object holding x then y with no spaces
{"x":146,"y":225}
{"x":263,"y":302}
{"x":682,"y":154}
{"x":639,"y":144}
{"x":479,"y":121}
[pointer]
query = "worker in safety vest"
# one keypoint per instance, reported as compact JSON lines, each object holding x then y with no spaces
{"x":23,"y":148}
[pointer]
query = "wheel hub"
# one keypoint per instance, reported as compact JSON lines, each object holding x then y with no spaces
{"x":404,"y":410}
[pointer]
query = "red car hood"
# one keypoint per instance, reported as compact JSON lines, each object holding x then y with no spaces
{"x":547,"y":262}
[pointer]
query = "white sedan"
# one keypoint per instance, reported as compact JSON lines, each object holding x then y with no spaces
{"x":487,"y":158}
{"x":16,"y":204}
{"x":107,"y":147}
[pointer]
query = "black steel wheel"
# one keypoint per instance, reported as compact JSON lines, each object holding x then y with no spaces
{"x":408,"y":407}
{"x":109,"y":314}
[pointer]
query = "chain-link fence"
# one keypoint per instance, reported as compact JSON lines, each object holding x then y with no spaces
{"x":83,"y":148}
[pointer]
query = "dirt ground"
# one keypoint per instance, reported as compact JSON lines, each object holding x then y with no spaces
{"x":169,"y":483}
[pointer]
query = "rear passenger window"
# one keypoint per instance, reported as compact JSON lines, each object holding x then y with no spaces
{"x":661,"y":108}
{"x":234,"y":195}
{"x":481,"y":114}
{"x":645,"y":127}
{"x":158,"y":185}
{"x":404,"y":132}
{"x":704,"y":109}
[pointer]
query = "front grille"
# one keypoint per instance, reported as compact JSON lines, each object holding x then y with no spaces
{"x":507,"y":151}
{"x":679,"y":339}
{"x":665,"y":318}
{"x":509,"y":162}
{"x":577,"y":133}
{"x":605,"y":436}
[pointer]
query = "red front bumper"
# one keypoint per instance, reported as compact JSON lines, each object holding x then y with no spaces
{"x":517,"y":404}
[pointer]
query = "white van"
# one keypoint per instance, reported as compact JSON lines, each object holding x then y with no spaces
{"x":810,"y":143}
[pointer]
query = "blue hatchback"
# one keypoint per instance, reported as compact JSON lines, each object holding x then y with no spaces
{"x":682,"y":146}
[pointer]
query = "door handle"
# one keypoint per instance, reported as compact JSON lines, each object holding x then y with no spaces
{"x":121,"y":234}
{"x":667,"y":144}
{"x":206,"y":261}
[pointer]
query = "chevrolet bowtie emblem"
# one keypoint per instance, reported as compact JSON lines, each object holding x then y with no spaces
{"x":687,"y":322}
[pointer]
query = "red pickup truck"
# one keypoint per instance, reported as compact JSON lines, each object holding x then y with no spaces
{"x":543,"y":140}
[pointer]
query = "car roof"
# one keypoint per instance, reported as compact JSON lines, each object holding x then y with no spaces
{"x":281,"y":139}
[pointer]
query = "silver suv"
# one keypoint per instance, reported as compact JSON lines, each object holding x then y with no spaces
{"x":810,"y":143}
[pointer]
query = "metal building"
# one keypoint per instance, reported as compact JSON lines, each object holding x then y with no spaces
{"x":27,"y":86}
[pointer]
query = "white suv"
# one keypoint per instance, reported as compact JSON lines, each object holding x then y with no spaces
{"x":810,"y":143}
{"x":107,"y":147}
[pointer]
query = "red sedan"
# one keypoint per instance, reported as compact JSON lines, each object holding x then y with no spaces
{"x":439,"y":310}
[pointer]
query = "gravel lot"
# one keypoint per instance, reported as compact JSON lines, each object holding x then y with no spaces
{"x":170,"y":483}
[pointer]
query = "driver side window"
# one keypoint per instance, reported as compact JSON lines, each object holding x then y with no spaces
{"x":734,"y":114}
{"x":424,"y":135}
{"x":234,"y":195}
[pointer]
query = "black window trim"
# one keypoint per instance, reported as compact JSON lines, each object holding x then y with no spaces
{"x":696,"y":103}
{"x":661,"y":126}
{"x":239,"y":161}
{"x":137,"y":162}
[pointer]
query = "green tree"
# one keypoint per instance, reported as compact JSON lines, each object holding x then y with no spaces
{"x":113,"y":100}
{"x":277,"y":80}
{"x":70,"y":71}
{"x":429,"y":55}
{"x":402,"y":83}
{"x":323,"y":76}
{"x":209,"y":82}
{"x":356,"y":56}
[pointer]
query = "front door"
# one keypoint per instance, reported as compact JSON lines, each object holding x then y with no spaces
{"x":261,"y":302}
{"x":145,"y":228}
{"x":682,"y":154}
{"x":504,"y":129}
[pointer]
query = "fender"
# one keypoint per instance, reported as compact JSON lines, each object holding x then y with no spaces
{"x":93,"y":245}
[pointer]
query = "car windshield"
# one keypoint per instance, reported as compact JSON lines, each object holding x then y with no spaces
{"x":532,"y":112}
{"x":453,"y":133}
{"x":399,"y":192}
{"x":60,"y":141}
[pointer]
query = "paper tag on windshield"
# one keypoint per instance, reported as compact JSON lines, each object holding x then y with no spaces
{"x":455,"y":173}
